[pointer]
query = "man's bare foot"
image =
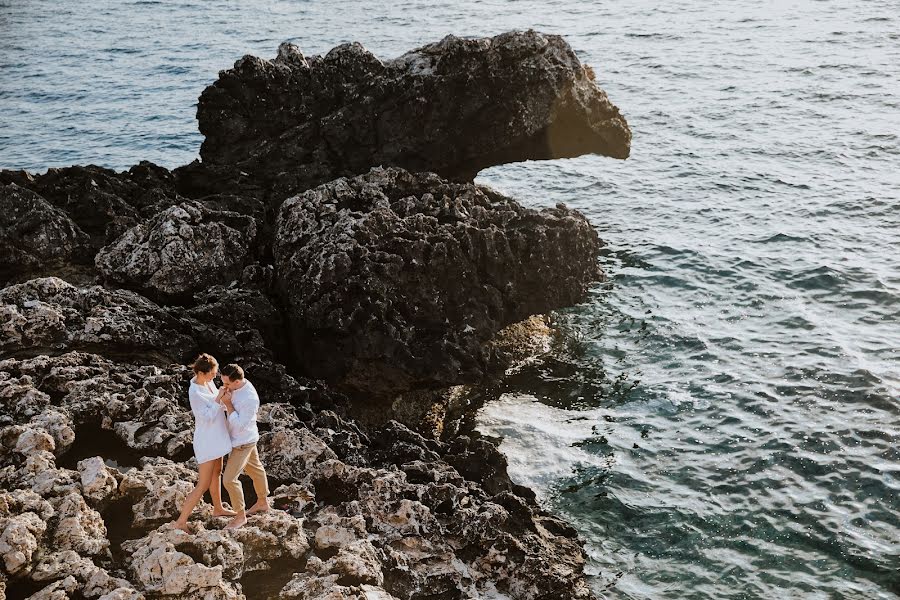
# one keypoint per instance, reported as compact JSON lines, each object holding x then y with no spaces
{"x":260,"y":507}
{"x":237,"y":521}
{"x":182,"y":526}
{"x":223,"y":512}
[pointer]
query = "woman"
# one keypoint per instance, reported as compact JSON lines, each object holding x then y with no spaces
{"x":211,"y":439}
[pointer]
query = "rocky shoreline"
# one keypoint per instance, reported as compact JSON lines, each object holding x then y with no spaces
{"x":333,"y":243}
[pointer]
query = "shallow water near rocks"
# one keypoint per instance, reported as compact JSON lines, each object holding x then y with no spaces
{"x":721,"y":420}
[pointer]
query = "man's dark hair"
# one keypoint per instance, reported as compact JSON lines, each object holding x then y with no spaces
{"x":232,"y":371}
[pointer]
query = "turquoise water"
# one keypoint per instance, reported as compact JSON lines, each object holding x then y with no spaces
{"x":721,"y":418}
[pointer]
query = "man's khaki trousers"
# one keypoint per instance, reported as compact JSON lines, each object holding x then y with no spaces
{"x":244,"y":458}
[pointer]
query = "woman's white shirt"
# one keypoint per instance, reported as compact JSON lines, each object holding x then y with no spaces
{"x":211,"y":438}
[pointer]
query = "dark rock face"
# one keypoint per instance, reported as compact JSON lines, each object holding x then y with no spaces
{"x":184,"y":249}
{"x":453,"y":107}
{"x":100,"y":201}
{"x":394,"y":280}
{"x":33,"y":232}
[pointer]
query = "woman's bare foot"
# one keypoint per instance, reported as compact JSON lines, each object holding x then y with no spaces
{"x":260,"y":507}
{"x":237,"y":521}
{"x":223,"y":512}
{"x":182,"y":526}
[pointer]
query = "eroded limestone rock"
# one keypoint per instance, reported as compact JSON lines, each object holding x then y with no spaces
{"x":452,"y":107}
{"x":33,"y":232}
{"x":389,"y":287}
{"x":185,"y":248}
{"x":51,"y":315}
{"x":394,"y":280}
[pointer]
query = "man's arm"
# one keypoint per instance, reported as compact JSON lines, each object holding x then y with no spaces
{"x":242,"y":413}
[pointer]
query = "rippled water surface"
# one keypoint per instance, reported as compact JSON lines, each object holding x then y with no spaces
{"x":721,"y":418}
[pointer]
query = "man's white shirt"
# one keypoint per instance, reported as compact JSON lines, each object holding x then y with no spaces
{"x":242,"y":420}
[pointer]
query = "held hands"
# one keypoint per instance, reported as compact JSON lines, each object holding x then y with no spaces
{"x":226,"y":401}
{"x":224,"y":398}
{"x":222,"y":391}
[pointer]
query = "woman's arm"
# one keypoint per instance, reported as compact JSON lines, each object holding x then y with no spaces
{"x":204,"y":406}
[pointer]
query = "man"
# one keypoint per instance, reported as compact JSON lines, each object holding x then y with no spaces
{"x":241,"y":405}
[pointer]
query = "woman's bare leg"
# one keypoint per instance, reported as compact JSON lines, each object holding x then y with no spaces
{"x":203,"y":480}
{"x":215,"y":491}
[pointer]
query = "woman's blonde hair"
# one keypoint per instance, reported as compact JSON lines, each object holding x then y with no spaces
{"x":204,"y":363}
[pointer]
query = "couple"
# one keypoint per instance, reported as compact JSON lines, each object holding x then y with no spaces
{"x":225,"y":423}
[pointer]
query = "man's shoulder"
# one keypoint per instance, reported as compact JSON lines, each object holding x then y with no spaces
{"x":248,"y":389}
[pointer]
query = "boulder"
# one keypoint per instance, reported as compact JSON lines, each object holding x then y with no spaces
{"x":34,"y":234}
{"x":157,"y":491}
{"x":394,"y":280}
{"x":209,"y":562}
{"x":98,"y":482}
{"x":23,"y":522}
{"x":289,"y":453}
{"x":102,"y":202}
{"x":453,"y":107}
{"x":159,"y":568}
{"x":183,"y":249}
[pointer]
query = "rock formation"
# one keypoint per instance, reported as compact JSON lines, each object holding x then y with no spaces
{"x":51,"y":315}
{"x":101,"y":202}
{"x":452,"y":107}
{"x":34,"y":233}
{"x":394,"y":515}
{"x":333,"y":243}
{"x":185,"y":248}
{"x":393,"y":281}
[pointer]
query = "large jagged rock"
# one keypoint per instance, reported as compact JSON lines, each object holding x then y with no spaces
{"x":103,"y":205}
{"x":27,"y":462}
{"x":157,"y":491}
{"x":184,"y":249}
{"x":395,"y":280}
{"x":23,"y":522}
{"x":289,"y":452}
{"x":54,"y":542}
{"x":102,"y":202}
{"x":34,"y":234}
{"x":453,"y":107}
{"x":79,"y":527}
{"x":161,"y":569}
{"x":99,"y":483}
{"x":207,"y":563}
